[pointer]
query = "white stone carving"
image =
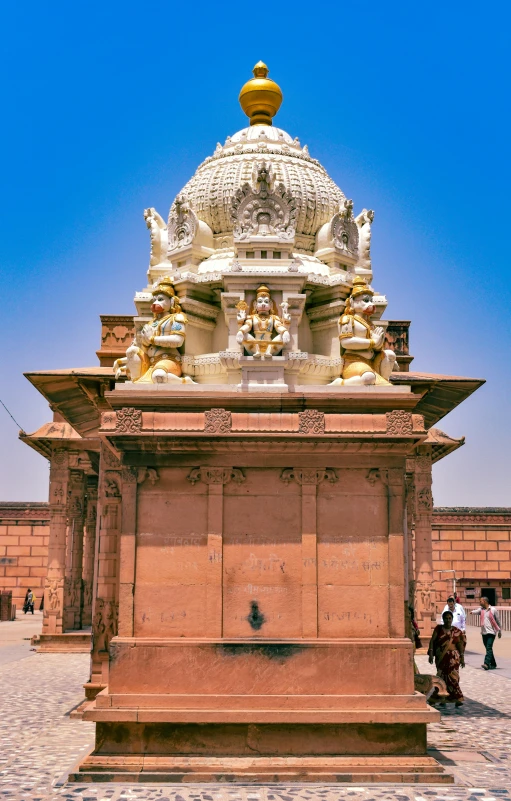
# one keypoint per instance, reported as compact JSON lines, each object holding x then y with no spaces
{"x":364,"y":221}
{"x":263,"y":209}
{"x":159,"y":236}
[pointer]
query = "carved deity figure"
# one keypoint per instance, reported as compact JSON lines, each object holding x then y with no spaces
{"x":159,"y":236}
{"x":153,"y":357}
{"x":365,"y":362}
{"x":262,"y":332}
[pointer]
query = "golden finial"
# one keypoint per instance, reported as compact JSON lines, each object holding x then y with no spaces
{"x":261,"y":97}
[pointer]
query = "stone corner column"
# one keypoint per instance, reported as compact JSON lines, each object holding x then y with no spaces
{"x":53,"y":622}
{"x":105,"y":596}
{"x":89,"y":548}
{"x":75,"y":526}
{"x":422,"y":514}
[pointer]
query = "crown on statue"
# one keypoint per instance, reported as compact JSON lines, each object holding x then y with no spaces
{"x":263,"y":290}
{"x":164,"y":285}
{"x":360,"y":287}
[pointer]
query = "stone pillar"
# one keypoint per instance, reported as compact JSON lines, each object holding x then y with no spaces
{"x":54,"y":588}
{"x":309,"y":480}
{"x":89,"y":548}
{"x":127,"y":550}
{"x":396,"y":496}
{"x":215,"y":478}
{"x":75,"y":526}
{"x":423,"y":510}
{"x":106,"y":572}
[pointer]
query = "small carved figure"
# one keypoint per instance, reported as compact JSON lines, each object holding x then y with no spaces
{"x":262,"y":332}
{"x":53,"y":595}
{"x":364,"y":360}
{"x":154,"y":357}
{"x":159,"y":236}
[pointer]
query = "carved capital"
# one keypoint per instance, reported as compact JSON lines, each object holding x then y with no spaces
{"x":399,"y":423}
{"x":216,"y":475}
{"x":311,"y":421}
{"x":147,"y":474}
{"x":423,"y":463}
{"x":308,"y":475}
{"x":217,"y":421}
{"x":129,"y":475}
{"x":109,"y":458}
{"x":129,"y":421}
{"x":377,"y":474}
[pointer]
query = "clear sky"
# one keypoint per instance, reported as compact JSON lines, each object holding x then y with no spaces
{"x":108,"y":108}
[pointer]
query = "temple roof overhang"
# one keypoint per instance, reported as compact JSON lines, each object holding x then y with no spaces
{"x":76,"y":394}
{"x":80,"y":395}
{"x":442,"y":444}
{"x":62,"y":435}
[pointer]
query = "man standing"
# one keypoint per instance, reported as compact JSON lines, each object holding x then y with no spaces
{"x":490,"y":627}
{"x":458,"y":613}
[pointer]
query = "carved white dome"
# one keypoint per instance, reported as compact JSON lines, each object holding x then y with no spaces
{"x":211,"y":189}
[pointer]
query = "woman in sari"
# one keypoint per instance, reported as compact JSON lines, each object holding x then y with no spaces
{"x":447,"y":648}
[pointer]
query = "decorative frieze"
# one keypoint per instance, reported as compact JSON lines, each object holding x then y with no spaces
{"x":311,"y":421}
{"x":399,"y":423}
{"x":129,"y":421}
{"x":217,"y":421}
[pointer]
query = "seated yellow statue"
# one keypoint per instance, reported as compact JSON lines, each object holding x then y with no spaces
{"x":364,"y":361}
{"x":153,"y":358}
{"x":262,"y":332}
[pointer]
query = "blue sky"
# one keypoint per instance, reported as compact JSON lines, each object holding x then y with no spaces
{"x":109,"y":108}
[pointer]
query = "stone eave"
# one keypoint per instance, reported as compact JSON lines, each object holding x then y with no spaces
{"x":81,"y":394}
{"x":76,"y":394}
{"x":442,"y":444}
{"x":58,"y":433}
{"x":440,"y":393}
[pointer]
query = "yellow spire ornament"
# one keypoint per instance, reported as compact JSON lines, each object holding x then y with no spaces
{"x":261,"y":97}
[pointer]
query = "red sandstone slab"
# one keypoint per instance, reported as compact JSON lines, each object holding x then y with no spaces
{"x":247,"y":702}
{"x":424,"y":770}
{"x":280,"y":668}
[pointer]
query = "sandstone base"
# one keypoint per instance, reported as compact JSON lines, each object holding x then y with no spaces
{"x":260,"y":754}
{"x":75,"y":642}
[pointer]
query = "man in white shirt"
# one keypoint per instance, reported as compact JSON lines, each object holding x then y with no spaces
{"x":490,"y":628}
{"x":458,"y":613}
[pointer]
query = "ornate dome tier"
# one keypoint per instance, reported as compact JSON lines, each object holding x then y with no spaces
{"x":211,"y":189}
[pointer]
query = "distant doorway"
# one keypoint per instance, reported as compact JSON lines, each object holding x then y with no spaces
{"x":487,"y":592}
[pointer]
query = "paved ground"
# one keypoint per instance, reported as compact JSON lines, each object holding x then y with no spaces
{"x":39,"y":744}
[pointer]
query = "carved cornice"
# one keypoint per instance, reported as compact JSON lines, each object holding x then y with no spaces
{"x":471,"y":516}
{"x":36,"y":512}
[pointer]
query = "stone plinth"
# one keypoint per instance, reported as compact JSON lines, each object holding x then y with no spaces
{"x":261,"y":590}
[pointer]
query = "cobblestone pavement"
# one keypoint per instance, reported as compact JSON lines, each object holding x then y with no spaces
{"x":39,"y":745}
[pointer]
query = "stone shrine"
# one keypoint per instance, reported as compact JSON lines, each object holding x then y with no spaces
{"x":259,"y":455}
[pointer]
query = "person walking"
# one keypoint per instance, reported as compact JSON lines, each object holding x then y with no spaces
{"x":459,"y":617}
{"x":490,"y":628}
{"x":28,"y":605}
{"x":447,"y":649}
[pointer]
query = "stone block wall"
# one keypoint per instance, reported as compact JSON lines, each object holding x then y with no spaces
{"x":476,"y":544}
{"x":24,"y":536}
